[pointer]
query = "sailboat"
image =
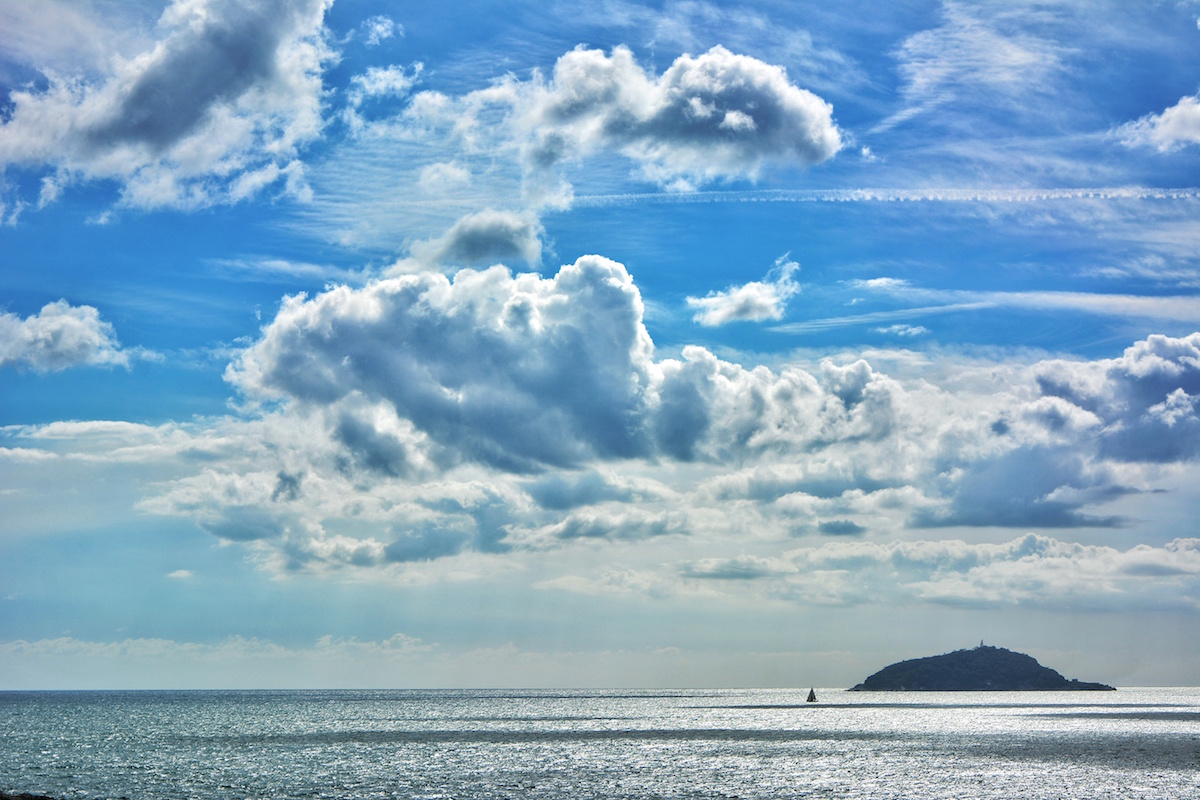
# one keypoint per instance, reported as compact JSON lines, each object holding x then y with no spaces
{"x":812,"y":696}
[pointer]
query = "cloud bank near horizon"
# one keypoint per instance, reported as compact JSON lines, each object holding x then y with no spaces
{"x":423,"y":418}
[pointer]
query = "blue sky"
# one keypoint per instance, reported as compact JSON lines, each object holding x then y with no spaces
{"x":604,"y":344}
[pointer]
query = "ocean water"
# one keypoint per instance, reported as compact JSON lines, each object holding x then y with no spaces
{"x":1131,"y":743}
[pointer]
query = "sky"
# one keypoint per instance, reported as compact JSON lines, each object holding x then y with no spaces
{"x":602,"y":344}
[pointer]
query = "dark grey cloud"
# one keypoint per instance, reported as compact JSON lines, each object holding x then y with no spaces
{"x":684,"y":414}
{"x":233,"y":50}
{"x":561,"y":492}
{"x":1030,"y":487}
{"x":372,"y":449}
{"x":484,"y":238}
{"x":1140,"y":407}
{"x":742,"y":568}
{"x":484,"y":519}
{"x":771,"y":483}
{"x":242,"y":523}
{"x":840,"y":527}
{"x":622,"y":526}
{"x":287,"y":487}
{"x":213,"y":112}
{"x":426,"y":544}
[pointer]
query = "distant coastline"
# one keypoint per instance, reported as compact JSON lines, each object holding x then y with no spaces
{"x":980,"y":669}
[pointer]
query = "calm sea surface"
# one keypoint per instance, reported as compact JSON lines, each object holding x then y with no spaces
{"x":606,"y":744}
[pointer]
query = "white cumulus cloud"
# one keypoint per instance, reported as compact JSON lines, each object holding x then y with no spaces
{"x":58,"y":337}
{"x":755,"y":301}
{"x":377,"y":29}
{"x":513,"y":371}
{"x":718,"y":115}
{"x":1175,"y":127}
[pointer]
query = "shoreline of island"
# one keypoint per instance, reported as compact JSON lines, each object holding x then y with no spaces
{"x":979,"y":669}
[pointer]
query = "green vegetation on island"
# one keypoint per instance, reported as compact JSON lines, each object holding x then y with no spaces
{"x":981,"y":669}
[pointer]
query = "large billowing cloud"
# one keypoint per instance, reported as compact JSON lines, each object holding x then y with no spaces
{"x":57,"y":337}
{"x":427,"y":418}
{"x":524,"y":373}
{"x":477,"y":410}
{"x":213,"y":112}
{"x":717,"y":115}
{"x":519,"y":373}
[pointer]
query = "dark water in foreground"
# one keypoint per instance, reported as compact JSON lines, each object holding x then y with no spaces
{"x":601,"y":744}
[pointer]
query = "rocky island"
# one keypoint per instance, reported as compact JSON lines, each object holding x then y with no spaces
{"x":981,"y":669}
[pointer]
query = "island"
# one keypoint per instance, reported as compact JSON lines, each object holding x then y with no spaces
{"x":980,"y":669}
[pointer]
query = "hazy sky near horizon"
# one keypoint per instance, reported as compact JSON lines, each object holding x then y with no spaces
{"x":596,"y":343}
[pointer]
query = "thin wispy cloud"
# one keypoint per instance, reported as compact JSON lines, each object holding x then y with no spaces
{"x":1182,"y":308}
{"x":975,"y":56}
{"x":879,"y":195}
{"x":278,"y":268}
{"x":809,"y":326}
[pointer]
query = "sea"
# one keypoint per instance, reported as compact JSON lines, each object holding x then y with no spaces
{"x":1131,"y":743}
